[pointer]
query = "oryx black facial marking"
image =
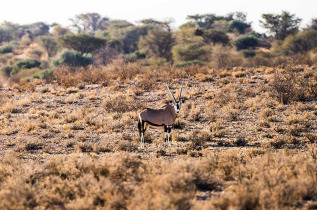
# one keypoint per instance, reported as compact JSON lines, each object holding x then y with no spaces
{"x":160,"y":117}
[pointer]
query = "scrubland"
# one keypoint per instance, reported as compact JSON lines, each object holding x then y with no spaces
{"x":245,"y":139}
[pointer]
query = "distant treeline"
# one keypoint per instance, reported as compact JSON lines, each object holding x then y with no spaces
{"x":205,"y":39}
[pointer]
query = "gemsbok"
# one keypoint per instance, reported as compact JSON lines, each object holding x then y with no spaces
{"x":160,"y":117}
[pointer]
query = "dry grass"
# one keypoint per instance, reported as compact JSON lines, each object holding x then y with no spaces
{"x":74,"y":144}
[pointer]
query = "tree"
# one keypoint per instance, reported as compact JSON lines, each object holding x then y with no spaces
{"x":89,"y":22}
{"x":189,"y":46}
{"x":240,"y":16}
{"x":82,"y":43}
{"x":204,"y":21}
{"x":38,"y":29}
{"x":238,"y":26}
{"x":207,"y":21}
{"x":58,"y":30}
{"x":130,"y":37}
{"x":119,"y":24}
{"x":313,"y":25}
{"x":49,"y":44}
{"x":159,"y":24}
{"x":213,"y":36}
{"x":300,"y":43}
{"x":15,"y":31}
{"x":281,"y":25}
{"x":4,"y":36}
{"x":104,"y":55}
{"x":157,"y":43}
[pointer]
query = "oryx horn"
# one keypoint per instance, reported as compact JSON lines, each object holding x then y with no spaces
{"x":171,"y":93}
{"x":180,"y":93}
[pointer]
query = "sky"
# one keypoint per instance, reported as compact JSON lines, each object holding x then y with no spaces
{"x":60,"y":11}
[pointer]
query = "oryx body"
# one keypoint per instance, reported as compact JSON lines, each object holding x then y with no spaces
{"x":164,"y":117}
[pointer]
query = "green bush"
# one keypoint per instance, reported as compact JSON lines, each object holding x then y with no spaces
{"x":190,"y":52}
{"x":246,"y":42}
{"x":44,"y":74}
{"x":6,"y":49}
{"x":300,"y":43}
{"x":24,"y":64}
{"x":28,"y":64}
{"x":189,"y":63}
{"x":73,"y":58}
{"x":213,"y":36}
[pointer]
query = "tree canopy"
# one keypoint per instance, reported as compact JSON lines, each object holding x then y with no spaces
{"x":89,"y":22}
{"x":82,"y":43}
{"x":282,"y":25}
{"x":158,"y":43}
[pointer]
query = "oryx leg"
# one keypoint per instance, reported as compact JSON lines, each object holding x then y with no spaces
{"x":141,"y":126}
{"x":165,"y":135}
{"x":169,"y":130}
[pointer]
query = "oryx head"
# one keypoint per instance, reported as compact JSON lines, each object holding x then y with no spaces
{"x":177,"y":104}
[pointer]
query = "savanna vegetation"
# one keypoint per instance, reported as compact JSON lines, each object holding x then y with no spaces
{"x":246,"y":137}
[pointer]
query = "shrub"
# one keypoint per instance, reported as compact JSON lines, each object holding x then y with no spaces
{"x":28,"y":64}
{"x":7,"y":70}
{"x":248,"y":53}
{"x":246,"y":42}
{"x":300,"y":43}
{"x":260,"y":60}
{"x":120,"y":104}
{"x":35,"y":53}
{"x":190,"y":52}
{"x":69,"y":76}
{"x":290,"y":86}
{"x":279,"y":142}
{"x":138,"y":55}
{"x":23,"y":64}
{"x":189,"y":63}
{"x":228,"y":60}
{"x":73,"y":58}
{"x":44,"y":74}
{"x":6,"y":49}
{"x":283,"y":87}
{"x":199,"y":140}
